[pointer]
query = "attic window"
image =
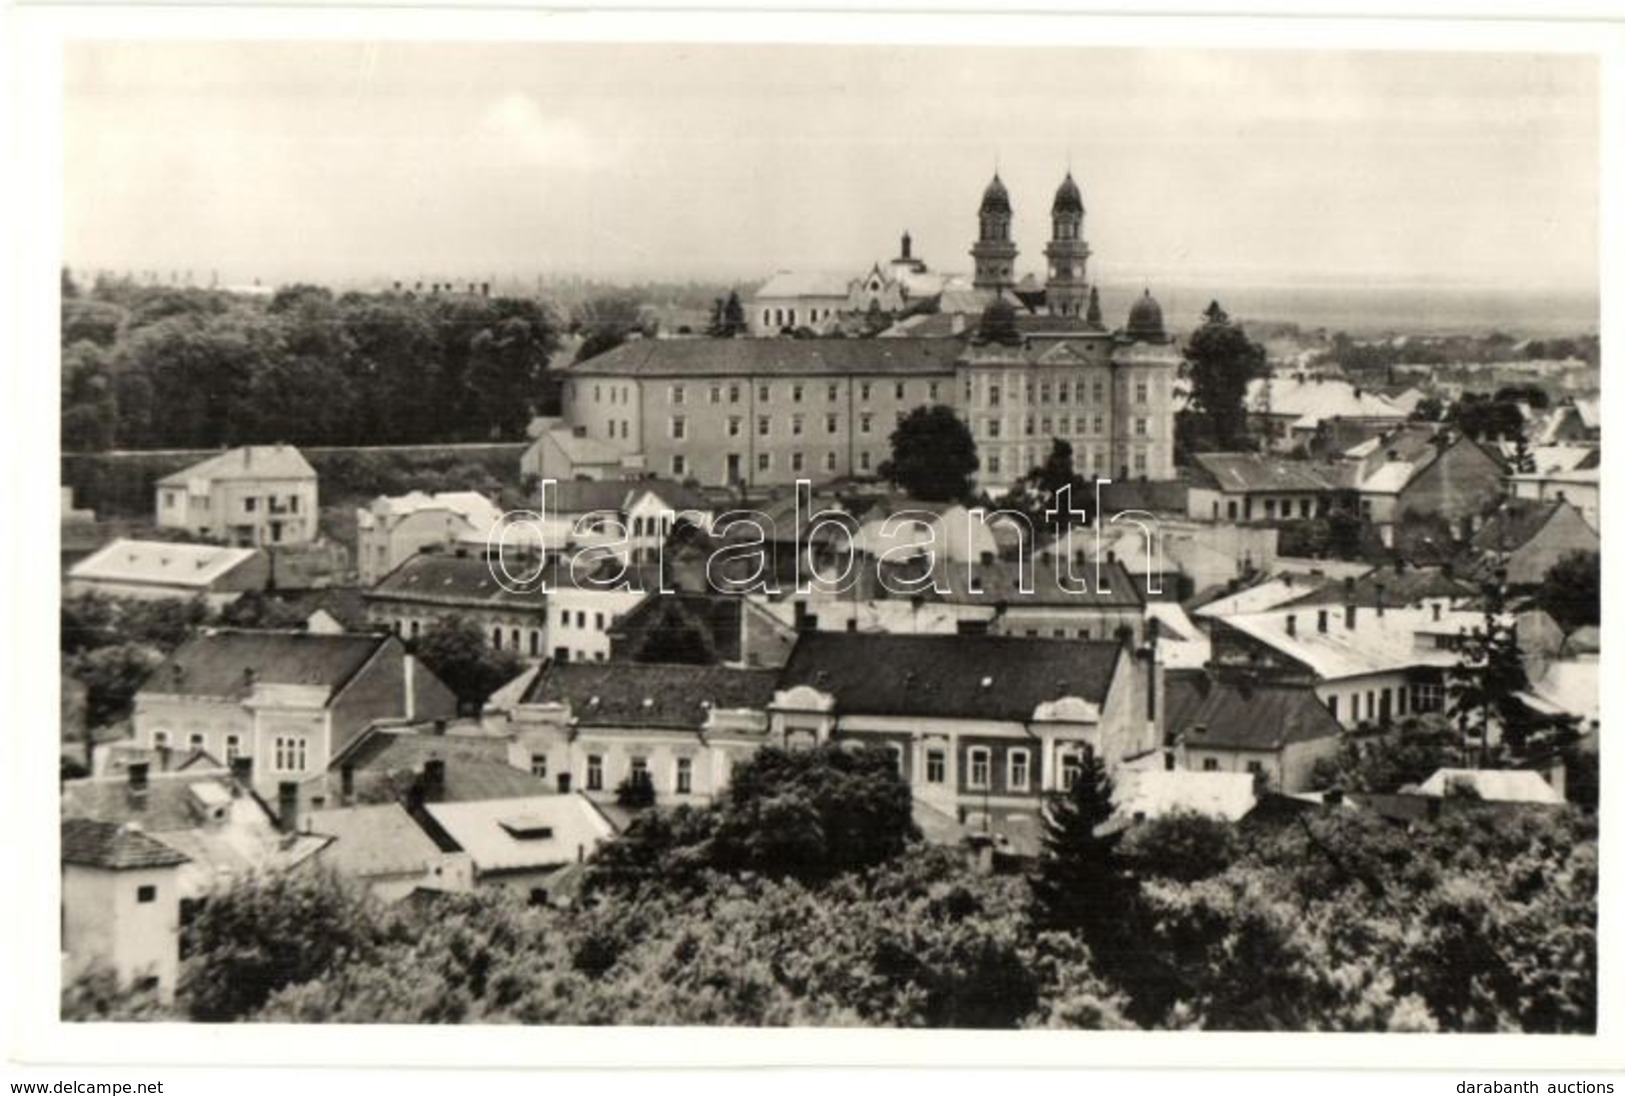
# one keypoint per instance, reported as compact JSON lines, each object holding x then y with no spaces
{"x":987,"y":683}
{"x":526,"y":827}
{"x":648,"y":702}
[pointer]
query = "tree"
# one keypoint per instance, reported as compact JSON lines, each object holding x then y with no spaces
{"x":1482,"y":418}
{"x":1572,"y":590}
{"x":636,"y":792}
{"x":1039,"y":491}
{"x":453,"y":648}
{"x":1082,"y":885}
{"x":270,"y":931}
{"x":933,"y":455}
{"x":111,"y":676}
{"x":1221,"y":362}
{"x":606,"y":322}
{"x":1428,"y":409}
{"x":1488,"y":675}
{"x":1183,"y":846}
{"x":813,"y":813}
{"x":727,"y":317}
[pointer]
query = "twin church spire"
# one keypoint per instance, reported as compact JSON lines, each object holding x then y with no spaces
{"x":1067,"y":290}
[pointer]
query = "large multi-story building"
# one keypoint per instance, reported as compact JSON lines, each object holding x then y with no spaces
{"x":766,"y":412}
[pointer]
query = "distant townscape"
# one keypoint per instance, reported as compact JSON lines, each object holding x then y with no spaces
{"x":1090,"y":666}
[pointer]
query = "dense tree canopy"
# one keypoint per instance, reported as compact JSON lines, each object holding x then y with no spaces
{"x":1572,"y":590}
{"x":933,"y":455}
{"x":1220,"y":362}
{"x":163,"y":367}
{"x":455,"y":650}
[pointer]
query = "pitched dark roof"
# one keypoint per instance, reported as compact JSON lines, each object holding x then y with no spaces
{"x":1515,"y":523}
{"x":114,"y":845}
{"x":1000,"y":582}
{"x":213,"y":663}
{"x":649,"y":694}
{"x":715,"y":616}
{"x":950,"y":676}
{"x":1242,"y":715}
{"x":476,"y":766}
{"x":1243,"y":472}
{"x":771,"y":357}
{"x":453,"y":580}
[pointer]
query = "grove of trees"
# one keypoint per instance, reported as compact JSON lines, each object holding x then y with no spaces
{"x":933,"y":455}
{"x":172,"y":368}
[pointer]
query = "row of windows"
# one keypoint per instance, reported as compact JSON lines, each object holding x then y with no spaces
{"x":1062,"y":426}
{"x":196,"y":741}
{"x":1061,"y":391}
{"x":677,"y":428}
{"x":680,"y":465}
{"x":677,"y":394}
{"x":1389,"y":703}
{"x":787,"y":317}
{"x":682,"y":773}
{"x":1140,"y":463}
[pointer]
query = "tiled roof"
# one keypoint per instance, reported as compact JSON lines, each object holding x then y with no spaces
{"x":1515,"y":523}
{"x":473,"y":507}
{"x":772,"y":357}
{"x":214,"y":663}
{"x":114,"y":845}
{"x":534,"y":832}
{"x":247,"y":462}
{"x":650,"y":694}
{"x":581,"y":449}
{"x":395,"y":748}
{"x":1378,"y":643}
{"x":1000,"y":582}
{"x":162,"y":563}
{"x":455,"y":580}
{"x":1244,"y":716}
{"x":379,"y":839}
{"x":1310,"y":400}
{"x":950,"y":676}
{"x":717,"y":616}
{"x":1259,"y":597}
{"x":1244,"y":472}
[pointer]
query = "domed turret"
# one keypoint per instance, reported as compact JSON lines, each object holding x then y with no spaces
{"x":996,"y":199}
{"x":1068,"y":199}
{"x":1145,"y":320}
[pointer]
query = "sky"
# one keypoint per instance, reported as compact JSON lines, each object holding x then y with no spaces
{"x":342,"y":161}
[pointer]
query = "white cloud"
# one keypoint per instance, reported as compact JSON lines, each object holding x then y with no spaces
{"x":525,"y":134}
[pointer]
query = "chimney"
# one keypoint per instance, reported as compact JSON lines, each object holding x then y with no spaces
{"x":1348,"y":617}
{"x":137,"y":778}
{"x":1348,"y":587}
{"x":347,"y":782}
{"x":397,"y":287}
{"x":1320,"y":622}
{"x":287,"y":806}
{"x":440,"y":726}
{"x":434,"y":779}
{"x":1382,"y":592}
{"x":409,"y":687}
{"x":485,"y":289}
{"x":1333,"y":797}
{"x":250,"y":677}
{"x":1292,"y":624}
{"x":1437,"y":606}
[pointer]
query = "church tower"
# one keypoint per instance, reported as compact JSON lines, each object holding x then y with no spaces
{"x":994,"y":250}
{"x":1067,"y":291}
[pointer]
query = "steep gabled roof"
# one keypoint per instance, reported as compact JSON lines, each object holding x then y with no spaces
{"x":1244,"y":715}
{"x":950,"y":676}
{"x":250,"y":462}
{"x":213,"y":663}
{"x":116,"y":846}
{"x":1515,"y":523}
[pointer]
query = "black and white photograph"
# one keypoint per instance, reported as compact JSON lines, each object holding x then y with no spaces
{"x":754,"y":531}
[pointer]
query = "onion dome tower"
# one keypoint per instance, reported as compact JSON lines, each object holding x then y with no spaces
{"x":994,"y":250}
{"x":1067,"y":290}
{"x":1145,"y":321}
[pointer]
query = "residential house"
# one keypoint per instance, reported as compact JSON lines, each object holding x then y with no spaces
{"x":1404,"y":472}
{"x":1289,"y":411}
{"x":543,"y":611}
{"x":1580,"y":487}
{"x":389,"y":530}
{"x":382,"y":846}
{"x":521,"y":844}
{"x":727,"y":629}
{"x":981,"y":726}
{"x":630,"y":518}
{"x":1248,"y":487}
{"x":1368,"y":666}
{"x":283,"y":703}
{"x":254,"y":495}
{"x":1526,"y":537}
{"x":121,"y":905}
{"x":155,"y":569}
{"x":447,"y":761}
{"x":222,"y":831}
{"x":1390,"y":586}
{"x":590,"y":727}
{"x":1236,"y":724}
